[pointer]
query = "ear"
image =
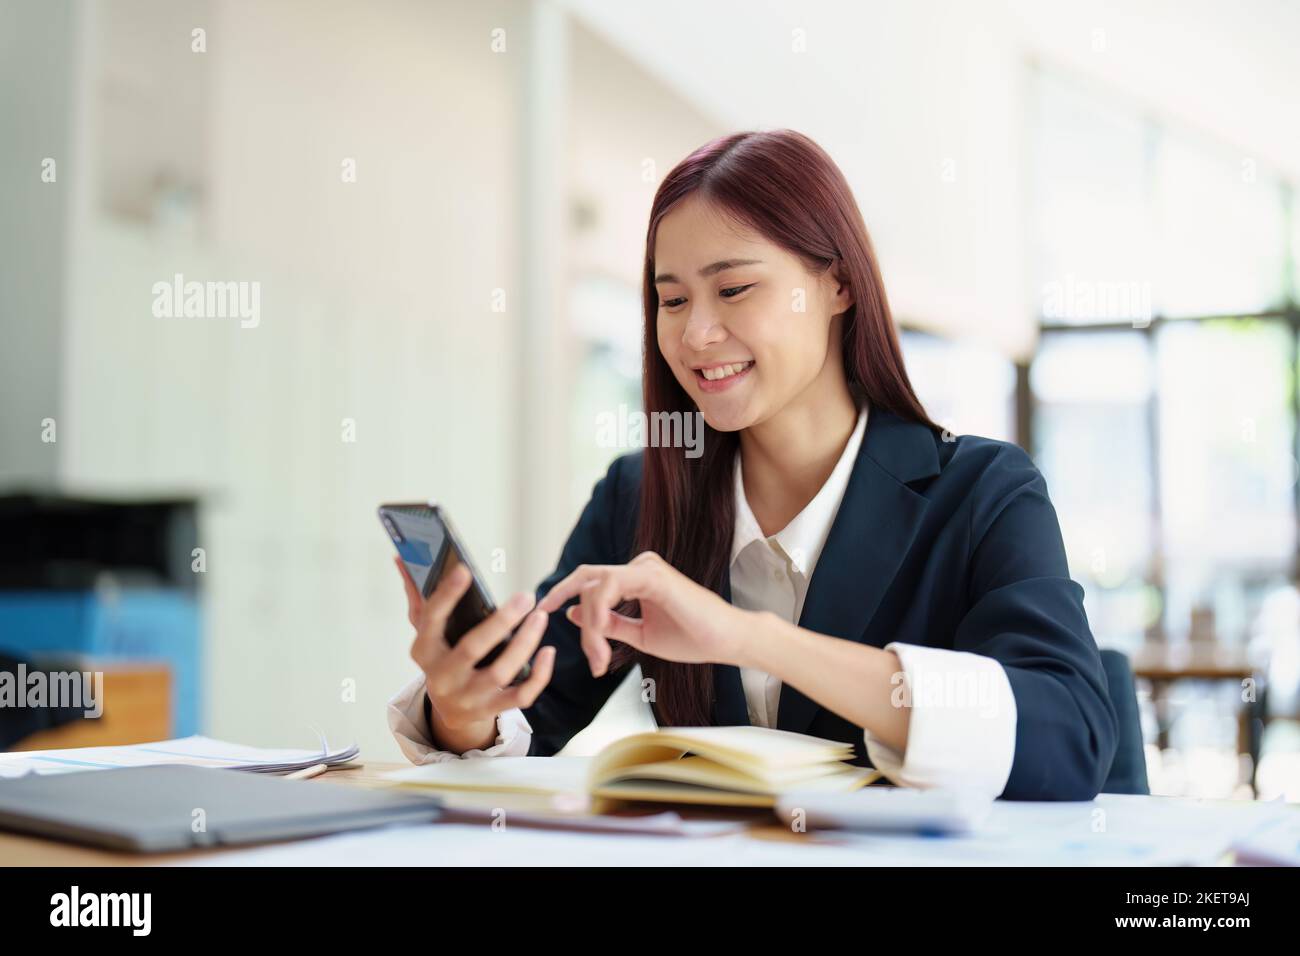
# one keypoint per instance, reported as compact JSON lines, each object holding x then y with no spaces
{"x":838,"y":279}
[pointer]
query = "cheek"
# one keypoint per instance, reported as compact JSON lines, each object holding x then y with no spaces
{"x":788,"y":345}
{"x":664,"y":337}
{"x":669,"y":338}
{"x":770,"y":332}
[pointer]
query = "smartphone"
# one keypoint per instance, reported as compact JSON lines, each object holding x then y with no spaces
{"x":430,"y":549}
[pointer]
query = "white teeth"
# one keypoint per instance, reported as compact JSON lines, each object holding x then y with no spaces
{"x":724,"y":371}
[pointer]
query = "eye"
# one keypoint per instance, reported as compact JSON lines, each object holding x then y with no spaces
{"x":672,"y":303}
{"x":735,"y":290}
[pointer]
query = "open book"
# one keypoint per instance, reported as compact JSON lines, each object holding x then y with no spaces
{"x":720,"y":766}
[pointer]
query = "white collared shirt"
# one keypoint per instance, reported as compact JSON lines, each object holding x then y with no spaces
{"x":773,"y":573}
{"x":945,"y":747}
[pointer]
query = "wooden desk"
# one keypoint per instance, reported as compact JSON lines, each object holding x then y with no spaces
{"x":1161,"y":662}
{"x":764,"y":840}
{"x":1164,"y":665}
{"x":19,"y":850}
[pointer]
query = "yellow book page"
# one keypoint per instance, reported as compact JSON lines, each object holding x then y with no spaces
{"x":703,"y":772}
{"x":754,"y":750}
{"x":609,"y":796}
{"x":544,"y":775}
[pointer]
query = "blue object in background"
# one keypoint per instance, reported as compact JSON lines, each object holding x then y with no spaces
{"x":155,"y":624}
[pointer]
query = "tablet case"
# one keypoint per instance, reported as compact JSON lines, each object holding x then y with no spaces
{"x":178,"y":807}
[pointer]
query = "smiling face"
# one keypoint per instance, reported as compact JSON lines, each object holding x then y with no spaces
{"x":729,"y":323}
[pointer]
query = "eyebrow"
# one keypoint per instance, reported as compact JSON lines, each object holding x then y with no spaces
{"x":711,"y":269}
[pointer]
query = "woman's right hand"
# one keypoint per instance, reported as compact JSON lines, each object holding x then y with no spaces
{"x":465,"y":699}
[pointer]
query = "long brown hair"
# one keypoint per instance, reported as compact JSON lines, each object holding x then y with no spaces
{"x":788,"y":189}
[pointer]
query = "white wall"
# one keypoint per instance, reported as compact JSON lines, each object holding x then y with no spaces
{"x":375,"y":307}
{"x":37,"y":57}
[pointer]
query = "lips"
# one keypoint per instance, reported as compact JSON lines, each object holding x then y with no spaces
{"x":716,"y":378}
{"x":716,"y":373}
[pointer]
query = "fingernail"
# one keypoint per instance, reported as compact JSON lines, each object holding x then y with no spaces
{"x":519,"y":601}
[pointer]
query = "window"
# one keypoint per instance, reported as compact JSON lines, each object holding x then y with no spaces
{"x":1226,"y":469}
{"x":966,"y":387}
{"x":1221,"y":223}
{"x":1093,"y":394}
{"x":1092,"y":230}
{"x":606,"y":328}
{"x":1163,"y":392}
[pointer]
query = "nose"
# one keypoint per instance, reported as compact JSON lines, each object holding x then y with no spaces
{"x":702,"y":330}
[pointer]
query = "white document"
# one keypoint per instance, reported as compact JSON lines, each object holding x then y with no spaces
{"x":888,"y":809}
{"x":1275,"y":844}
{"x":195,"y":751}
{"x":1113,"y":830}
{"x":480,"y":844}
{"x":668,"y":823}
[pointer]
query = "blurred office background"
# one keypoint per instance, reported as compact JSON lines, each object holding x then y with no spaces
{"x":1086,"y":218}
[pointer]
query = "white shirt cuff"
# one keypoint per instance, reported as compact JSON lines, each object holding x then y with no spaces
{"x":406,"y":721}
{"x":962,"y":726}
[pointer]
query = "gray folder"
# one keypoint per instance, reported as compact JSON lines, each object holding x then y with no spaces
{"x":177,"y":807}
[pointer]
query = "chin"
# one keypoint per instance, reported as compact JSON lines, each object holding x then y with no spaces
{"x":727,"y":420}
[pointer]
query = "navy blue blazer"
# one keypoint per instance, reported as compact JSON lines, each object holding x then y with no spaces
{"x":950,"y":544}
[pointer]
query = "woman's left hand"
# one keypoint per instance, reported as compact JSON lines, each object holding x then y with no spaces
{"x":680,"y":620}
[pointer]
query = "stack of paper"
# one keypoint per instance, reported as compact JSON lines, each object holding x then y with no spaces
{"x":195,"y":751}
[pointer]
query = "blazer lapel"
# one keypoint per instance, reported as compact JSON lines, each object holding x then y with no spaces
{"x":873,"y":531}
{"x":729,"y":707}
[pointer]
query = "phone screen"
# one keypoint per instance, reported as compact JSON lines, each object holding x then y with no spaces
{"x":430,"y":551}
{"x":420,"y":539}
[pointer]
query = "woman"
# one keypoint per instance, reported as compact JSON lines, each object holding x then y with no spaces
{"x":832,"y":564}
